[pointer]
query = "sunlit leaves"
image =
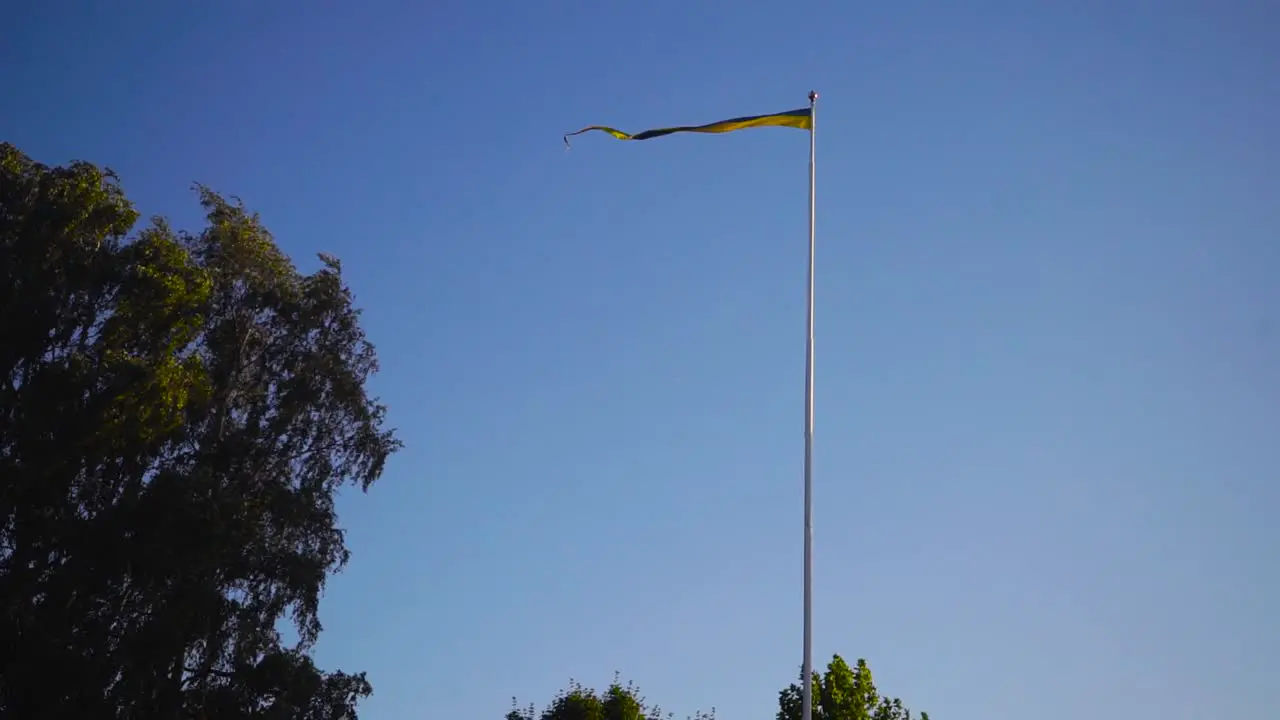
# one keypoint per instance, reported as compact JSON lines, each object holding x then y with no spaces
{"x":843,"y":693}
{"x":618,"y":702}
{"x":177,"y":412}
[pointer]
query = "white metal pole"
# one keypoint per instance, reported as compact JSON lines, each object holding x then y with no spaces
{"x":806,"y":712}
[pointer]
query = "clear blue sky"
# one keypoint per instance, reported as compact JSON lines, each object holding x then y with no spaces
{"x":1048,"y":459}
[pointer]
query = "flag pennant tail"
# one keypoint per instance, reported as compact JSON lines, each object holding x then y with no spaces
{"x":802,"y":119}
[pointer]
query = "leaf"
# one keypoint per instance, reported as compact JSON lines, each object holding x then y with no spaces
{"x":177,"y":414}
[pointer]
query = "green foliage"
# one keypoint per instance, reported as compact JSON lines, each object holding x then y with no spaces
{"x":618,"y":702}
{"x":843,"y":693}
{"x":177,"y":412}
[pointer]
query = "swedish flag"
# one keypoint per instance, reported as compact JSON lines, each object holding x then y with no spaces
{"x":802,"y":119}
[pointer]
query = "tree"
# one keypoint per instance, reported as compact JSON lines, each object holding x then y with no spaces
{"x":843,"y":693}
{"x":618,"y":702}
{"x":177,"y":412}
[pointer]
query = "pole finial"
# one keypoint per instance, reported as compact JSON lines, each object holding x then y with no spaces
{"x":813,"y":95}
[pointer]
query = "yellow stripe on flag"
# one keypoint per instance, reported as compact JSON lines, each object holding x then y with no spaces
{"x":801,"y":119}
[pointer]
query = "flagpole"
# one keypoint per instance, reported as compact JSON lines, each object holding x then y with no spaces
{"x":806,"y":712}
